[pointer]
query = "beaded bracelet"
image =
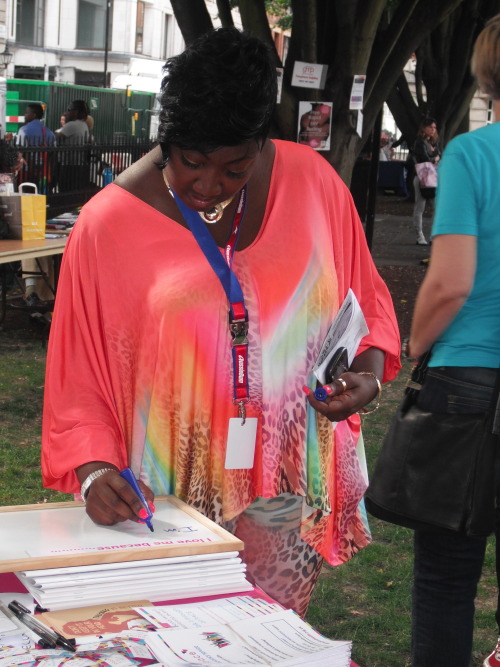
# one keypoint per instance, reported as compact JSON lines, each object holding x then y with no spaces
{"x":377,"y":398}
{"x":88,"y":481}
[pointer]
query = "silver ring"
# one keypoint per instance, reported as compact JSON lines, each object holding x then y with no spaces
{"x":343,"y":383}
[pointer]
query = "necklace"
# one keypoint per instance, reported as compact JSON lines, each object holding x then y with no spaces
{"x":212,"y":214}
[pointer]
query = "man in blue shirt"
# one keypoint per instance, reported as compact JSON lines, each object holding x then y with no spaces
{"x":35,"y":132}
{"x":39,"y":165}
{"x":40,"y":171}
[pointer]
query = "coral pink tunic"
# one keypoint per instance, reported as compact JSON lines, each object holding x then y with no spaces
{"x":139,"y":369}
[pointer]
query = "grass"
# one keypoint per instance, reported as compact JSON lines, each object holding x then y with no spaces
{"x":22,"y":367}
{"x":366,"y":600}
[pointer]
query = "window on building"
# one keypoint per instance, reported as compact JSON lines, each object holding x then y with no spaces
{"x":139,"y":28}
{"x":166,"y":37}
{"x":29,"y":22}
{"x":91,"y":32}
{"x":95,"y":79}
{"x":490,"y":116}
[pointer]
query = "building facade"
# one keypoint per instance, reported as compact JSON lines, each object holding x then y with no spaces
{"x":91,"y":42}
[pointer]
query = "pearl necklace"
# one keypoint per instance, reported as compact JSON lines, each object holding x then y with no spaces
{"x":211,"y":215}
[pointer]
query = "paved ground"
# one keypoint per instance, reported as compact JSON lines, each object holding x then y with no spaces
{"x":394,"y":241}
{"x":397,"y":256}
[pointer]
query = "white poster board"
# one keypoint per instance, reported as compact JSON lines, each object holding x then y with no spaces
{"x":61,"y":535}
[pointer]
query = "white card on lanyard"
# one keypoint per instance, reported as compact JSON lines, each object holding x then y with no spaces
{"x":241,"y":437}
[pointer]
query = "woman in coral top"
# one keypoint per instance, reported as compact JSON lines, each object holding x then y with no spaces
{"x":150,"y":365}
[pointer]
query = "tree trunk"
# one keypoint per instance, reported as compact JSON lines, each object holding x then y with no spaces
{"x":358,"y":37}
{"x":193,"y":18}
{"x":224,"y":9}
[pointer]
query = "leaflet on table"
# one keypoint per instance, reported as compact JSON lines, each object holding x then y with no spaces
{"x":13,"y":634}
{"x":125,"y":650}
{"x":199,"y":614}
{"x":346,"y":330}
{"x":96,"y":620}
{"x":280,"y":639}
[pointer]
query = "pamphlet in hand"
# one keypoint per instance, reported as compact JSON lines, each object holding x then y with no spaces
{"x":346,"y":330}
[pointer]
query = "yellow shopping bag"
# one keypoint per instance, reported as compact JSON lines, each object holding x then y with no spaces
{"x":26,"y":214}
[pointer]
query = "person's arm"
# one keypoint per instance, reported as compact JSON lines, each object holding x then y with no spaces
{"x":379,"y":350}
{"x":82,"y":431}
{"x":446,"y":286}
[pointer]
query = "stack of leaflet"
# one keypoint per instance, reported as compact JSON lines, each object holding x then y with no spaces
{"x":160,"y":579}
{"x":239,"y":631}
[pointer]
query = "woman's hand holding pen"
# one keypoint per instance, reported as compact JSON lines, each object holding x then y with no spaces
{"x":111,"y":499}
{"x":347,"y":395}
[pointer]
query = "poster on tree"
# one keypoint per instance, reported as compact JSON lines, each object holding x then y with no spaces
{"x":315,"y":124}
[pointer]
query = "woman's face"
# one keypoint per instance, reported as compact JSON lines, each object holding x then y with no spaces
{"x":430,"y":130}
{"x":202,"y":180}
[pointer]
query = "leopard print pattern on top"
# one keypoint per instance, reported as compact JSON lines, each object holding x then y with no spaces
{"x":278,"y":560}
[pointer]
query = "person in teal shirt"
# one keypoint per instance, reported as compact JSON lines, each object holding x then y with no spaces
{"x":457,"y":314}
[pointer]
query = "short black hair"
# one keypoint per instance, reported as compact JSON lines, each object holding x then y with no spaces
{"x":221,"y":91}
{"x":36,"y":108}
{"x":81,"y":108}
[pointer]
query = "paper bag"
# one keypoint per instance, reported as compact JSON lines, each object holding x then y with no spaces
{"x":26,"y":215}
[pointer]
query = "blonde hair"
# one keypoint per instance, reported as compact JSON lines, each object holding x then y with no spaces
{"x":485,"y":64}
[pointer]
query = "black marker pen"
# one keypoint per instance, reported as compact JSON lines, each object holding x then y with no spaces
{"x":49,"y":638}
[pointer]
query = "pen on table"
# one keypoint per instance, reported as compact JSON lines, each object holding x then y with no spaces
{"x":129,"y":477}
{"x":49,"y":638}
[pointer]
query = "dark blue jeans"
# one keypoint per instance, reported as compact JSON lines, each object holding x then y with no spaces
{"x":447,"y":567}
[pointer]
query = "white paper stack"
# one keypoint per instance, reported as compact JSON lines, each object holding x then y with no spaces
{"x":160,"y":579}
{"x":279,"y":639}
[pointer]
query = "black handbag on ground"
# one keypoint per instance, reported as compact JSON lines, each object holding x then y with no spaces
{"x":435,"y":471}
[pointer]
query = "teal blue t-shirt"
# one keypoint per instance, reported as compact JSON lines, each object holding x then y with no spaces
{"x":468,"y":202}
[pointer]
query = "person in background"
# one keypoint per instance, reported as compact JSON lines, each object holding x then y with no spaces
{"x":40,"y":171}
{"x":425,"y":149}
{"x":150,"y":380}
{"x":39,"y":165}
{"x":11,"y":163}
{"x":74,"y":167}
{"x":62,"y":120}
{"x":75,"y":130}
{"x":457,"y":314}
{"x":34,"y":132}
{"x":385,"y":147}
{"x":90,"y":121}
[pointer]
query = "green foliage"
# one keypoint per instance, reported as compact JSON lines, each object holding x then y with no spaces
{"x":281,"y":9}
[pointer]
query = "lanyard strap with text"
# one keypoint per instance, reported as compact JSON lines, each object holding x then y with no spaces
{"x":238,"y":316}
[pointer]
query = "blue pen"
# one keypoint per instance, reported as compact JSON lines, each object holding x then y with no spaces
{"x":129,"y":477}
{"x":320,"y":394}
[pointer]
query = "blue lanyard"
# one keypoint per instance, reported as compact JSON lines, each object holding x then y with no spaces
{"x":238,"y":315}
{"x":210,"y":249}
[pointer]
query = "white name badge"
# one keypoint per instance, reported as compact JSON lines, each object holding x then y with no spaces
{"x":240,"y":450}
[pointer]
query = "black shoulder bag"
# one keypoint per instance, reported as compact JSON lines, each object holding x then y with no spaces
{"x":436,"y":471}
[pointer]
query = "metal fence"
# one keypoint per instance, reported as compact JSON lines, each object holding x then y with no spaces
{"x":71,"y":174}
